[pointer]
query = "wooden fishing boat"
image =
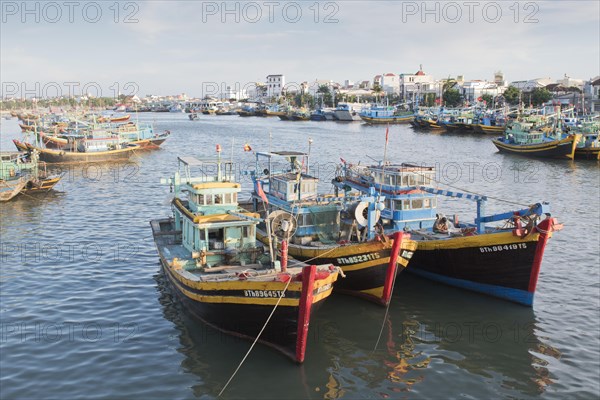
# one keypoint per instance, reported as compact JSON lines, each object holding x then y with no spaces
{"x":588,"y":146}
{"x":139,"y":134}
{"x":23,"y":173}
{"x":340,"y":231}
{"x":113,"y":119}
{"x":523,"y":138}
{"x":386,"y":115}
{"x":209,"y":254}
{"x":84,"y":151}
{"x":502,"y":261}
{"x":27,"y":128}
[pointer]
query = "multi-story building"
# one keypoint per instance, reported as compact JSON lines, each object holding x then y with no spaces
{"x":413,"y":87}
{"x":275,"y":85}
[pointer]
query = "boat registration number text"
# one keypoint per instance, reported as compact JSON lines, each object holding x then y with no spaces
{"x":514,"y":246}
{"x":264,"y":293}
{"x":323,"y":288}
{"x":358,"y":259}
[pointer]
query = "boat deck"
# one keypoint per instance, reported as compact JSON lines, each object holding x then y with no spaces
{"x":168,"y":243}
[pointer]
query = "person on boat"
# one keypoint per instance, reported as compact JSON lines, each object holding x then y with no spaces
{"x":441,"y":224}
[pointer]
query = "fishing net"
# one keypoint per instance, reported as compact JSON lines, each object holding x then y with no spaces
{"x":326,"y":220}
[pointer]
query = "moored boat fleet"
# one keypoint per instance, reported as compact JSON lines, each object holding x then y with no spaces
{"x":260,"y":267}
{"x":526,"y":132}
{"x":64,"y":139}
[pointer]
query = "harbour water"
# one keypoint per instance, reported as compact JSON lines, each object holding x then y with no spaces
{"x":86,"y":313}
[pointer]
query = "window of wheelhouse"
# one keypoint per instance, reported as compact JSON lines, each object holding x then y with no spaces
{"x":248,"y":232}
{"x":215,"y":238}
{"x":417,"y":204}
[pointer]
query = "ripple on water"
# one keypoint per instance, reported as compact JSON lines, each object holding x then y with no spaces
{"x":86,"y":313}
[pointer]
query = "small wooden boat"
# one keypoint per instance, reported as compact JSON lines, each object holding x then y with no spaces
{"x":209,"y":254}
{"x":588,"y":146}
{"x":113,"y":119}
{"x":23,"y":173}
{"x":84,"y":151}
{"x":386,"y":115}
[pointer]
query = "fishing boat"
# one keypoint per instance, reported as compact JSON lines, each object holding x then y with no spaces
{"x":322,"y":114}
{"x":140,"y":134}
{"x":494,"y":123}
{"x":209,"y":254}
{"x":340,"y":231}
{"x":346,"y":112}
{"x":114,"y":118}
{"x":386,"y":115}
{"x":22,"y":173}
{"x":246,"y":111}
{"x":83,"y":150}
{"x":526,"y":139}
{"x":588,"y":146}
{"x":76,"y":132}
{"x":502,"y":261}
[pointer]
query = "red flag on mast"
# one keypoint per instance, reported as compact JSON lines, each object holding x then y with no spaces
{"x":387,"y":132}
{"x":260,"y":192}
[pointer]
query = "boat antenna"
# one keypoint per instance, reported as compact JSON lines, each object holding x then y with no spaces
{"x":387,"y":134}
{"x":270,"y":139}
{"x":310,"y":142}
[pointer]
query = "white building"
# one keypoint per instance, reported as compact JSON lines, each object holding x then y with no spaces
{"x":567,"y":81}
{"x":231,"y":93}
{"x":528,"y":86}
{"x":417,"y":84}
{"x":473,"y":90}
{"x":274,"y":84}
{"x":389,"y":83}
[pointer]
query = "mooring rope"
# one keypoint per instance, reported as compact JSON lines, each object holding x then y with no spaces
{"x":257,"y":337}
{"x":387,"y":309}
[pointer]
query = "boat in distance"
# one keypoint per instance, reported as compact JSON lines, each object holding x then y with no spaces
{"x":524,"y":138}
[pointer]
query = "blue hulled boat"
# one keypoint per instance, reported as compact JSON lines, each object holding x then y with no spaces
{"x":503,"y":261}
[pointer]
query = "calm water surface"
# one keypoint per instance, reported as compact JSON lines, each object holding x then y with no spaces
{"x":85,"y":311}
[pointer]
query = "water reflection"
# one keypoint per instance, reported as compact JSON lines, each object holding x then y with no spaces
{"x":431,"y":330}
{"x":213,"y":356}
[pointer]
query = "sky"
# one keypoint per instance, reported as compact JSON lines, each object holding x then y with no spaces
{"x":171,"y":47}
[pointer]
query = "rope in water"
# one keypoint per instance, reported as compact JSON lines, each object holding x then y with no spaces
{"x":257,"y":337}
{"x":385,"y":317}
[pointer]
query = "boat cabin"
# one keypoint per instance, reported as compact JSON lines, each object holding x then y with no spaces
{"x":206,"y":211}
{"x":14,"y":165}
{"x":285,"y":180}
{"x":524,"y":133}
{"x":407,"y":205}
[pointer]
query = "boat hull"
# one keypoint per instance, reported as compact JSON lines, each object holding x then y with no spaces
{"x":41,"y":185}
{"x":11,"y":188}
{"x":241,"y":307}
{"x":51,"y":156}
{"x":498,"y":264}
{"x":366,"y":266}
{"x":488,"y":129}
{"x":587,"y":153}
{"x":564,"y":148}
{"x":388,"y":120}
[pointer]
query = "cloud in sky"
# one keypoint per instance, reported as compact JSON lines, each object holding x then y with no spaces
{"x":175,"y":46}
